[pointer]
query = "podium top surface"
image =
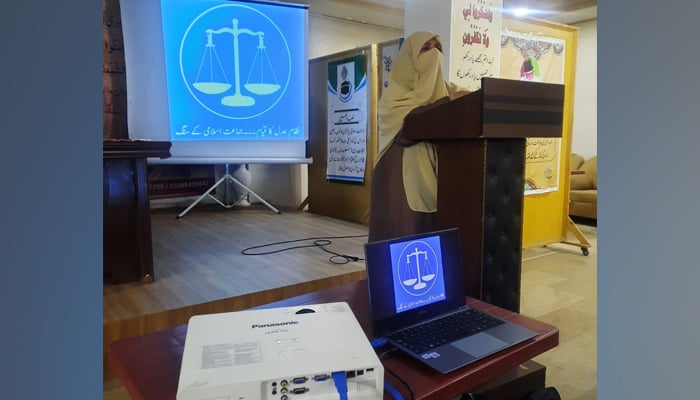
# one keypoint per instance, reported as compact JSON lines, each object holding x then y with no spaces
{"x":502,"y":108}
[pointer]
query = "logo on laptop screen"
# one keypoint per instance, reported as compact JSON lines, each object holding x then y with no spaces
{"x":417,"y":273}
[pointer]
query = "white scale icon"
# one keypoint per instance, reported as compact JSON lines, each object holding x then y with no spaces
{"x":261,"y":64}
{"x":423,"y":272}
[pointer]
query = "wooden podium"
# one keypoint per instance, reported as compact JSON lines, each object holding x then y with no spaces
{"x":127,"y":249}
{"x":481,"y":140}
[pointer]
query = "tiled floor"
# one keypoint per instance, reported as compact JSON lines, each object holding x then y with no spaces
{"x":558,"y":287}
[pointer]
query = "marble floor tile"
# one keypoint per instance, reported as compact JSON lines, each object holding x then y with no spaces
{"x":559,"y":286}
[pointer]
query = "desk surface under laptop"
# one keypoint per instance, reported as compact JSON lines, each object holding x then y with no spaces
{"x":149,"y":365}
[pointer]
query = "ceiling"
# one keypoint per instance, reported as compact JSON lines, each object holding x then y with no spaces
{"x":390,"y":13}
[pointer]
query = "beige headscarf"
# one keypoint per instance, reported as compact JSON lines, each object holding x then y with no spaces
{"x":413,"y":81}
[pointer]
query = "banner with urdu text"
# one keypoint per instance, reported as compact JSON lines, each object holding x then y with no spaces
{"x":347,"y":120}
{"x":538,"y":59}
{"x":474,"y":51}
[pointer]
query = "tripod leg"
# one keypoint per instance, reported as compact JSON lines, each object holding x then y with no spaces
{"x":205,"y":194}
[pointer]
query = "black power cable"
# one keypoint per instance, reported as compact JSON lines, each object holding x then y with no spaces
{"x":320,"y":242}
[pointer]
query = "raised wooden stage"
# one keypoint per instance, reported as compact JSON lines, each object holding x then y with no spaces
{"x":199,"y":268}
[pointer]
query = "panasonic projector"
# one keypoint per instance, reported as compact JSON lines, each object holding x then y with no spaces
{"x":289,"y":353}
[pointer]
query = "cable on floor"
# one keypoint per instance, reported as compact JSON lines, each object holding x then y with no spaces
{"x":319,"y":242}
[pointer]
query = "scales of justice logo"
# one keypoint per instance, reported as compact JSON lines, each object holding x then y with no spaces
{"x":235,"y":61}
{"x":417,"y":268}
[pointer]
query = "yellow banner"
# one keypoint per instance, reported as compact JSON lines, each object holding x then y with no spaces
{"x":538,"y":59}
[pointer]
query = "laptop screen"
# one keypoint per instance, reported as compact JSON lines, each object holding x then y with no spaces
{"x":413,"y":278}
{"x":417,"y":272}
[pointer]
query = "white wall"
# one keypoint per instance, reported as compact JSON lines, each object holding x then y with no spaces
{"x":433,"y":16}
{"x":330,"y":35}
{"x":585,"y":132}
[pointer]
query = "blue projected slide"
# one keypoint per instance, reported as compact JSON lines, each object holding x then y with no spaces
{"x":220,"y":80}
{"x":417,"y":272}
{"x":235,"y":70}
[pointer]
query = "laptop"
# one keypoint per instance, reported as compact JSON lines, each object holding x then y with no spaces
{"x":417,"y":301}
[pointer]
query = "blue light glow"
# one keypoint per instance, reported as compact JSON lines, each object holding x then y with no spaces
{"x":235,"y":70}
{"x":417,"y":271}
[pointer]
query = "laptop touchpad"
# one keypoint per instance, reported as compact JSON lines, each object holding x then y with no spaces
{"x":480,"y":344}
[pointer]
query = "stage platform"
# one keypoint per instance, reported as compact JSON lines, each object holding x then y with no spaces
{"x":199,"y":266}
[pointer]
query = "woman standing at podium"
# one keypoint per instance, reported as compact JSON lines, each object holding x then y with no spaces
{"x":404,"y":182}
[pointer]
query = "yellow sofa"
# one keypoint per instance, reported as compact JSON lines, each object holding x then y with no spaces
{"x":583,"y":194}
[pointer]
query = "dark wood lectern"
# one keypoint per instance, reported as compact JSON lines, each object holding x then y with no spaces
{"x":127,"y":248}
{"x":481,"y":140}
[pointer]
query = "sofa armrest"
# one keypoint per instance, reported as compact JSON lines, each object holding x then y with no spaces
{"x":585,"y":177}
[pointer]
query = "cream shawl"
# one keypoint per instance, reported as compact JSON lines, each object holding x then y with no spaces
{"x":413,"y":81}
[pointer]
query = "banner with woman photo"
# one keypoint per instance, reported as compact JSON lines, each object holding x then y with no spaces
{"x":537,"y":59}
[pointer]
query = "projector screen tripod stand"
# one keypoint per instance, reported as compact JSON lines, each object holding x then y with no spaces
{"x":227,"y":177}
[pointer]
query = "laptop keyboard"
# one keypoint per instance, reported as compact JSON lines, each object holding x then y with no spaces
{"x":431,"y":334}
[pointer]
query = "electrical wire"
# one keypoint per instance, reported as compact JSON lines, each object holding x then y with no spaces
{"x":341,"y":384}
{"x":381,"y":356}
{"x":393,"y":391}
{"x":319,"y":242}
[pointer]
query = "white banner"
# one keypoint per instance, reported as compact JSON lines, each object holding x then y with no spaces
{"x":347,"y":120}
{"x":474,"y":41}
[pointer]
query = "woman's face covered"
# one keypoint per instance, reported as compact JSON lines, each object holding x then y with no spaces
{"x":427,"y":60}
{"x":415,"y":80}
{"x":433,"y":43}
